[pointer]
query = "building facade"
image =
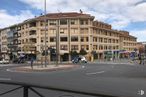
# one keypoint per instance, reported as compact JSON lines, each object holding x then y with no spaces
{"x":141,"y":47}
{"x":73,"y":31}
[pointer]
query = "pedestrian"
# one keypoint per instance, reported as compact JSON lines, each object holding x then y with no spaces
{"x":140,"y":59}
{"x":31,"y":63}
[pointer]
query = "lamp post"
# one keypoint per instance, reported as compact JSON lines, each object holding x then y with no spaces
{"x":45,"y":20}
{"x":57,"y":43}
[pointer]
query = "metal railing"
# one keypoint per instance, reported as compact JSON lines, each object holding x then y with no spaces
{"x":26,"y":87}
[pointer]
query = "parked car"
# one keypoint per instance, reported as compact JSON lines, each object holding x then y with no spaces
{"x":19,"y":60}
{"x":4,"y":61}
{"x":79,"y":59}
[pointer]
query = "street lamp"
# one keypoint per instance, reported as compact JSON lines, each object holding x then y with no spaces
{"x":45,"y":20}
{"x":57,"y":42}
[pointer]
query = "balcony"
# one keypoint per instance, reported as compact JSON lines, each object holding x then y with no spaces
{"x":32,"y":32}
{"x":32,"y":41}
{"x":32,"y":24}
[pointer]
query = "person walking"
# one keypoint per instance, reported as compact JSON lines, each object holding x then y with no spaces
{"x":142,"y":58}
{"x":31,"y":62}
{"x":139,"y":58}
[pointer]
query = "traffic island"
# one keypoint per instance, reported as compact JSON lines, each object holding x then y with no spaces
{"x":48,"y":68}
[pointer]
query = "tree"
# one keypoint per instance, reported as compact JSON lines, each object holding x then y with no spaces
{"x":141,"y":49}
{"x":74,"y":53}
{"x":83,"y":52}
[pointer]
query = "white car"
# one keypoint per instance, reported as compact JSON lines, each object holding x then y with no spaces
{"x":4,"y":61}
{"x":79,"y":59}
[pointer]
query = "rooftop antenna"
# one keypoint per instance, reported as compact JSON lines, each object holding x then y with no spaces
{"x":58,"y":10}
{"x":81,"y":11}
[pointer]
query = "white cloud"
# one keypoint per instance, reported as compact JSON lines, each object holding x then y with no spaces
{"x":6,"y":19}
{"x":137,"y":13}
{"x":119,"y":13}
{"x":140,"y":34}
{"x":122,"y":12}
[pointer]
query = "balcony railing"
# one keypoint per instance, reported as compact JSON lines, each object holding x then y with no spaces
{"x":26,"y":87}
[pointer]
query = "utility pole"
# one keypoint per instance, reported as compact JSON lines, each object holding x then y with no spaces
{"x":57,"y":43}
{"x":45,"y":20}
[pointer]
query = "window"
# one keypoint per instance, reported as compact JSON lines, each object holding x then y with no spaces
{"x":82,"y":47}
{"x":100,"y":47}
{"x":74,"y":30}
{"x":73,"y":22}
{"x":53,"y":31}
{"x":26,"y":40}
{"x":87,"y":39}
{"x":105,"y":40}
{"x":117,"y":41}
{"x":82,"y":39}
{"x":63,"y":22}
{"x":22,"y":41}
{"x":95,"y":47}
{"x":74,"y":38}
{"x":109,"y":40}
{"x":74,"y":47}
{"x":32,"y":24}
{"x":113,"y":40}
{"x":52,"y":39}
{"x":41,"y":23}
{"x":100,"y":39}
{"x":83,"y":22}
{"x":32,"y":32}
{"x":87,"y":47}
{"x":33,"y":40}
{"x":84,"y":30}
{"x":62,"y":31}
{"x":52,"y":22}
{"x":63,"y":47}
{"x":105,"y":47}
{"x":63,"y":39}
{"x":94,"y":39}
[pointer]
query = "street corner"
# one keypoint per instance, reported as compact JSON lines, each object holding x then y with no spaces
{"x":42,"y":68}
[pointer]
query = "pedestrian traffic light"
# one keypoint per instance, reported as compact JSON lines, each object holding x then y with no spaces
{"x":44,"y":52}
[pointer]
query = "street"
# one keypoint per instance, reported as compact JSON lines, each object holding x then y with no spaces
{"x":121,"y":80}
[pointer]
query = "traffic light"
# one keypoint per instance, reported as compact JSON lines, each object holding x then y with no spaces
{"x":53,"y":51}
{"x":44,"y":52}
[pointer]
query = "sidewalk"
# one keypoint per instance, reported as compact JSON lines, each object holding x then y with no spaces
{"x":42,"y":68}
{"x":118,"y":61}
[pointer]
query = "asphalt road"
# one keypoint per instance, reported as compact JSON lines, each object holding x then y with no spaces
{"x":120,"y":80}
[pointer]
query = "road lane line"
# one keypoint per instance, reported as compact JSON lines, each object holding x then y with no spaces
{"x":93,"y":73}
{"x":5,"y":78}
{"x":83,"y":66}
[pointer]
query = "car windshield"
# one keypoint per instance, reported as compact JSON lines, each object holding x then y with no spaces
{"x":72,"y":48}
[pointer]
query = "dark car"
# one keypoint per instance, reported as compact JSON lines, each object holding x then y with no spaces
{"x":19,"y":60}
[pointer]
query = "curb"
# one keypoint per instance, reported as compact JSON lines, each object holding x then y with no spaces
{"x":28,"y":69}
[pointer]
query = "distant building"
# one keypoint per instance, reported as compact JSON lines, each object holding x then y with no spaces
{"x":76,"y":31}
{"x":141,"y":47}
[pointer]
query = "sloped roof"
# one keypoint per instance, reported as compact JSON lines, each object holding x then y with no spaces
{"x":66,"y":15}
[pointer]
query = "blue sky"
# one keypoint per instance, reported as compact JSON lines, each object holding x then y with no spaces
{"x":126,"y":15}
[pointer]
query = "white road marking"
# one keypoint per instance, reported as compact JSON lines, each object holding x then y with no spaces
{"x":5,"y":78}
{"x":93,"y":73}
{"x":4,"y":65}
{"x":83,"y":66}
{"x":8,"y":70}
